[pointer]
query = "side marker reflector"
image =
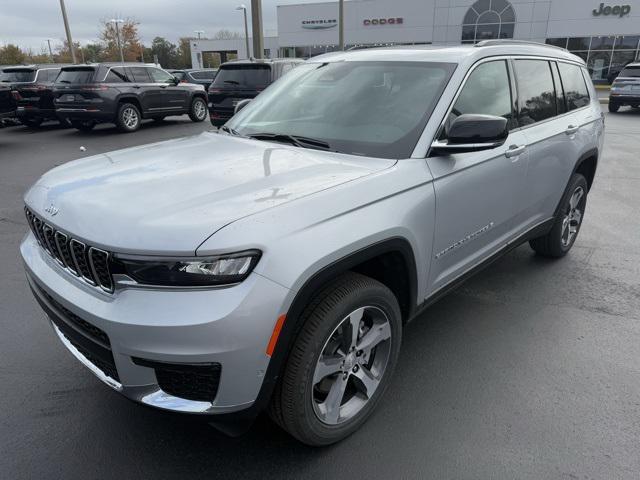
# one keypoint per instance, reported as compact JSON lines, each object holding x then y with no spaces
{"x":274,"y":336}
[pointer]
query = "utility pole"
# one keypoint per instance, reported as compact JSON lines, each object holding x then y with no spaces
{"x":341,"y":25}
{"x":256,"y":28}
{"x":199,"y":32}
{"x":68,"y":31}
{"x":246,"y":28}
{"x":118,"y":21}
{"x":50,"y":52}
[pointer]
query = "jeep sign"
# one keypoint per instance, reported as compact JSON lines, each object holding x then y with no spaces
{"x":620,"y":10}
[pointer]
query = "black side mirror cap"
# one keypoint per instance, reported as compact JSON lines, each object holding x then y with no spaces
{"x":471,"y":132}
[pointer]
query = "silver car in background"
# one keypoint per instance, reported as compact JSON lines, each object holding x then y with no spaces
{"x":273,"y":265}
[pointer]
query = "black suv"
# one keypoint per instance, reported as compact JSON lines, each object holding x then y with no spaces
{"x":33,"y":91}
{"x":7,"y":104}
{"x":200,"y":76}
{"x":124,"y":94}
{"x":243,"y":79}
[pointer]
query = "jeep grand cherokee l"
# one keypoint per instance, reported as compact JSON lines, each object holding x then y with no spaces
{"x":124,"y":94}
{"x":33,"y":91}
{"x":274,"y":264}
{"x":625,"y":89}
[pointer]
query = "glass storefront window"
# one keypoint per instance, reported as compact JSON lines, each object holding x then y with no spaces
{"x":557,"y":42}
{"x":583,"y":55}
{"x":602,"y":43}
{"x":579,"y":43}
{"x":506,"y":30}
{"x":488,"y":19}
{"x":627,"y":42}
{"x":598,"y":65}
{"x":487,"y":32}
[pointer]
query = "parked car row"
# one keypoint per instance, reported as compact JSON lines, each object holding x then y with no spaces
{"x":83,"y":96}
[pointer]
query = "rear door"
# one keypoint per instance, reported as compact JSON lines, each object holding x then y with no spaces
{"x":552,"y":110}
{"x":477,"y":193}
{"x":149,"y":94}
{"x":172,"y":97}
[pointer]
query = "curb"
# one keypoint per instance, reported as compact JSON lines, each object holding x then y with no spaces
{"x":604,"y":101}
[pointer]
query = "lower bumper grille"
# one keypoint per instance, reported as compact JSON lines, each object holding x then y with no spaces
{"x":189,"y":381}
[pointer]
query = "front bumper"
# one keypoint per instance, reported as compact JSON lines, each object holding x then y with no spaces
{"x":226,"y":326}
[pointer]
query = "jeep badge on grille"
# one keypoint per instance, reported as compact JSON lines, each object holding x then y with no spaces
{"x":51,"y":210}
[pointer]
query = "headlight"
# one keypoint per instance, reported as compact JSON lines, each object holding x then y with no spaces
{"x":191,"y":272}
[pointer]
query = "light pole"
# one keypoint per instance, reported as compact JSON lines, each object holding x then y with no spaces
{"x":246,"y":28}
{"x":68,"y":31}
{"x":116,"y":21}
{"x":256,"y":27}
{"x":341,"y":25}
{"x":199,"y":32}
{"x":50,"y":51}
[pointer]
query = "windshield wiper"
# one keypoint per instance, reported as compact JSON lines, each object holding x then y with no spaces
{"x":230,"y":130}
{"x":298,"y":141}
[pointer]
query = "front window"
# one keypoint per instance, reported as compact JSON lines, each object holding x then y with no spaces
{"x":23,"y":75}
{"x":376,"y":109}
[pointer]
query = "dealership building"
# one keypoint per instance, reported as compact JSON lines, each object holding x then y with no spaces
{"x":605,"y":34}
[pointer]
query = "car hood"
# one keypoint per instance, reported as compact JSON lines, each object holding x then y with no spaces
{"x":170,"y":196}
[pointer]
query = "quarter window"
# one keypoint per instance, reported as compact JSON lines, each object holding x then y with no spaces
{"x":486,"y":92}
{"x":536,"y":95}
{"x":116,"y":75}
{"x":575,"y":89}
{"x":140,"y":74}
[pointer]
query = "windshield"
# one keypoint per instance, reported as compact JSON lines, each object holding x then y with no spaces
{"x":378,"y":109}
{"x":630,"y":72}
{"x":76,"y":75}
{"x":247,"y":76}
{"x":18,"y":76}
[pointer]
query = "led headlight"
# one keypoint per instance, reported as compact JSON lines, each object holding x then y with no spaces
{"x":191,"y":272}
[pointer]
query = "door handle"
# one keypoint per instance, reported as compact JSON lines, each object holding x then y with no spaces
{"x":515,"y":150}
{"x":571,"y":129}
{"x":135,"y":86}
{"x":163,"y":86}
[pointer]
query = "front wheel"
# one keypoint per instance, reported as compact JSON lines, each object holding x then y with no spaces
{"x":198,"y":110}
{"x":128,"y":119}
{"x":564,"y":232}
{"x":341,"y":362}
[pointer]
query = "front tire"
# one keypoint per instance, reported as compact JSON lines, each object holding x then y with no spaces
{"x":341,"y":362}
{"x":564,"y":232}
{"x":128,"y":119}
{"x":198,"y":110}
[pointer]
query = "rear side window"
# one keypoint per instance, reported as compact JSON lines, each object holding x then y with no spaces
{"x":536,"y":94}
{"x":24,"y":75}
{"x":116,"y":75}
{"x":76,"y":75}
{"x":630,"y":72}
{"x":247,"y":76}
{"x":575,"y":89}
{"x":204,"y":75}
{"x":48,"y":75}
{"x":486,"y":92}
{"x":140,"y":74}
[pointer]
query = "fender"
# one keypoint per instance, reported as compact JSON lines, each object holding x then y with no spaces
{"x":592,"y":153}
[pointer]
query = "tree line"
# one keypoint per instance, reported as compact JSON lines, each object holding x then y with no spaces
{"x":168,"y":54}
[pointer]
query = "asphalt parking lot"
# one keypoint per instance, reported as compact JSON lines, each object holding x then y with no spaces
{"x":529,"y":370}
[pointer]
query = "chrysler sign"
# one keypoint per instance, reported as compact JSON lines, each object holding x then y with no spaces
{"x":319,"y":24}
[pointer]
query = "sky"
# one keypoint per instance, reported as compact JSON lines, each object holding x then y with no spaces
{"x":28,"y":23}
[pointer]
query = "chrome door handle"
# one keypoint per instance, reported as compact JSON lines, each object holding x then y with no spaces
{"x":515,"y":150}
{"x":571,"y":129}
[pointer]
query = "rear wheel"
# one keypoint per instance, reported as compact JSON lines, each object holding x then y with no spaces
{"x":31,"y":122}
{"x":613,"y":107}
{"x":128,"y":119}
{"x":83,"y":125}
{"x":564,"y":232}
{"x":341,"y":362}
{"x":198,"y":110}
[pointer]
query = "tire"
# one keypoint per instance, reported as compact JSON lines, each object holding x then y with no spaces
{"x":31,"y":122}
{"x":128,"y":119}
{"x":613,"y":108}
{"x":198,"y":110}
{"x":83,"y":125}
{"x":300,"y":403}
{"x":564,"y":232}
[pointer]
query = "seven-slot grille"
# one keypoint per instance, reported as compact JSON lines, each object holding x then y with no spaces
{"x":89,"y":263}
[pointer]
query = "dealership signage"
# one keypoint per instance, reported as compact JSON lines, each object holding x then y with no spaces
{"x":620,"y":10}
{"x":319,"y":24}
{"x":383,"y":21}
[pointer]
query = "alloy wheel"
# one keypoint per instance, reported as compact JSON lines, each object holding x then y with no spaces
{"x":351,"y":365}
{"x":573,"y":218}
{"x":130,"y":118}
{"x":199,"y":109}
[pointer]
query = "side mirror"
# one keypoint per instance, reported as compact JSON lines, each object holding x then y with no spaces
{"x":175,"y":81}
{"x":240,"y":105}
{"x":471,"y":133}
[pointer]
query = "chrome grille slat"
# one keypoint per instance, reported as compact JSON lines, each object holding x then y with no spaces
{"x":90,"y":263}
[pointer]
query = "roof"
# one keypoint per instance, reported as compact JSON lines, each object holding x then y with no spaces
{"x":191,"y":70}
{"x":112,"y":64}
{"x":34,"y":66}
{"x":263,"y":60}
{"x":450,"y":54}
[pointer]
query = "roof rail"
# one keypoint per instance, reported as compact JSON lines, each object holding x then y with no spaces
{"x":489,"y":43}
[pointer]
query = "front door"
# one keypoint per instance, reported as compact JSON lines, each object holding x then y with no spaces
{"x":477,"y":193}
{"x":145,"y":90}
{"x":172,"y":97}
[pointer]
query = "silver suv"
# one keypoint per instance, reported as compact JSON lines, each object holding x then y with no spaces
{"x":273,"y":265}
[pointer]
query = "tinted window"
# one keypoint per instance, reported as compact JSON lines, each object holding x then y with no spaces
{"x":377,"y":109}
{"x":116,"y":75}
{"x":205,"y":75}
{"x":630,"y":72}
{"x":575,"y":90}
{"x":248,"y":76}
{"x":179,"y":75}
{"x":160,"y":76}
{"x":139,"y":74}
{"x":76,"y":75}
{"x":486,"y":92}
{"x":560,"y":105}
{"x":18,"y":76}
{"x":536,"y":95}
{"x":48,"y":75}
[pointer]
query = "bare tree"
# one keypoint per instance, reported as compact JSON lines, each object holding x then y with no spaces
{"x":225,"y":34}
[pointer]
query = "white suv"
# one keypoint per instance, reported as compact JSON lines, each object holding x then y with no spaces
{"x":274,"y":264}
